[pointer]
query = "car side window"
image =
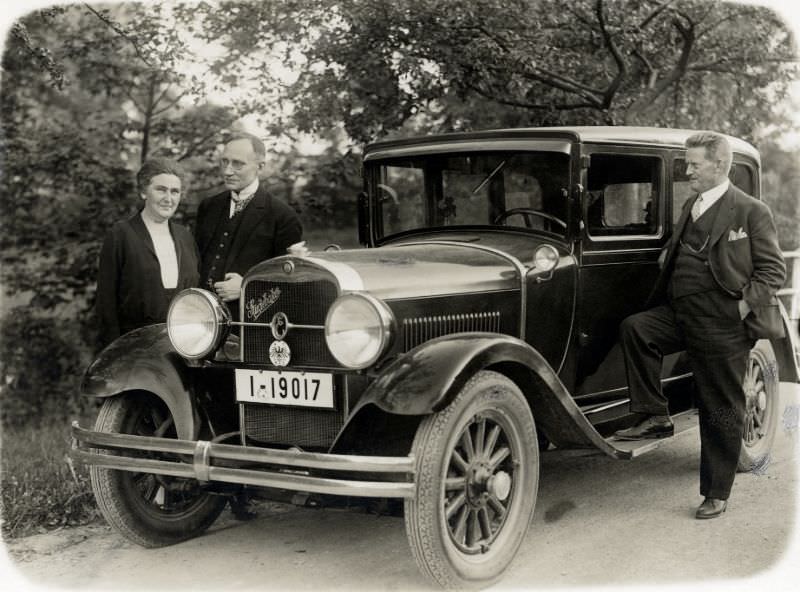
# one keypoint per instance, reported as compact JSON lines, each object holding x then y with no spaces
{"x":622,"y":195}
{"x":740,"y":175}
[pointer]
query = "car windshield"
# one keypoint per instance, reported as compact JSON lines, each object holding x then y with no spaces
{"x":519,"y":189}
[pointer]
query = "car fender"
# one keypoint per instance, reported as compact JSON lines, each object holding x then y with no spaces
{"x":428,"y":377}
{"x":144,"y":360}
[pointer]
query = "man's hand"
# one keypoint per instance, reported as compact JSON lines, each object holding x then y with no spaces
{"x":229,"y":289}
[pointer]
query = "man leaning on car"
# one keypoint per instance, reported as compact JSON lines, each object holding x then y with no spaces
{"x":721,"y":271}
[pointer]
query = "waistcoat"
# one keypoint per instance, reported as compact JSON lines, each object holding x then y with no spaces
{"x":215,"y":266}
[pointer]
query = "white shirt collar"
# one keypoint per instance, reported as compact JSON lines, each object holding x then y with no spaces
{"x":246,"y":191}
{"x":711,"y":196}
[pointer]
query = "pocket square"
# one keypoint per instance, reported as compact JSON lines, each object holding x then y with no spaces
{"x":734,"y":235}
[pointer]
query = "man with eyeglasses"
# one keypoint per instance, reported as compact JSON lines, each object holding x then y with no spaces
{"x":244,"y":225}
{"x":237,"y":229}
{"x":720,"y":273}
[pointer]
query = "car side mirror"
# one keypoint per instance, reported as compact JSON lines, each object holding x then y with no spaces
{"x":364,"y":235}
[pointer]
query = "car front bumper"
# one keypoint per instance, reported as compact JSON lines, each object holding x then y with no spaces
{"x":311,"y":472}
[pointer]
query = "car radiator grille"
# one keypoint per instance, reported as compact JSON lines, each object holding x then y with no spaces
{"x":303,"y":303}
{"x":420,"y":329}
{"x":305,"y":428}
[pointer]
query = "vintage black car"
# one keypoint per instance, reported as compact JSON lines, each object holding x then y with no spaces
{"x":477,"y":329}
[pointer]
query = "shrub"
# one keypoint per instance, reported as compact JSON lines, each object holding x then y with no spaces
{"x":41,"y":363}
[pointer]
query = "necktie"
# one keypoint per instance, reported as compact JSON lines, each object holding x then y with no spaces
{"x":696,"y":208}
{"x":240,"y":202}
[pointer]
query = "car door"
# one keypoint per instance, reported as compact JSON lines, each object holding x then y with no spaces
{"x":624,"y":213}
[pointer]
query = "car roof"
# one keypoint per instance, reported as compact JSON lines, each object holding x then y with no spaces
{"x":621,"y":135}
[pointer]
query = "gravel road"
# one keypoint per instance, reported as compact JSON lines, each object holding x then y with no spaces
{"x":598,"y":523}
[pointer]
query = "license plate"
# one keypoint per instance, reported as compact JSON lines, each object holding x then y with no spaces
{"x":301,"y":389}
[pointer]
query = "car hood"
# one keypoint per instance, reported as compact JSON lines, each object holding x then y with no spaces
{"x":434,"y":268}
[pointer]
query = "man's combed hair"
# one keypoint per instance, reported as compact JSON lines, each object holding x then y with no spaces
{"x":255,"y":142}
{"x":153,"y":167}
{"x":716,"y":146}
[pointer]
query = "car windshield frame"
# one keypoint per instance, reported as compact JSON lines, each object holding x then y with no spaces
{"x":430,"y":191}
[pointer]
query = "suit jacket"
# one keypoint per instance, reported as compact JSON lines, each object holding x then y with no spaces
{"x":129,"y":289}
{"x":744,"y":258}
{"x":269,"y":226}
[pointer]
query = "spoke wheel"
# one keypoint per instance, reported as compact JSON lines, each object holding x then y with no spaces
{"x":760,"y":386}
{"x":151,"y":510}
{"x":477,"y":480}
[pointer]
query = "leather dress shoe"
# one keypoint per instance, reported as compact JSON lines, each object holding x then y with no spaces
{"x":711,"y":508}
{"x":651,"y":427}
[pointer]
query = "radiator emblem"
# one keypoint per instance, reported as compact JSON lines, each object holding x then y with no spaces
{"x":279,"y":353}
{"x":255,"y":308}
{"x":279,"y":325}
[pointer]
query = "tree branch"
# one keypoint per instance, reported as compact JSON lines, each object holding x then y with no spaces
{"x":622,"y":69}
{"x":541,"y":74}
{"x":652,"y":76}
{"x":526,"y":105}
{"x":656,"y":11}
{"x":194,"y":146}
{"x":679,"y":69}
{"x":716,"y":24}
{"x":171,"y":104}
{"x":118,"y":30}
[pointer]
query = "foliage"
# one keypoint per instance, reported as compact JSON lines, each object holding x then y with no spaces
{"x":75,"y":130}
{"x":780,"y":189}
{"x":41,"y":489}
{"x":376,"y":64}
{"x":40,"y":367}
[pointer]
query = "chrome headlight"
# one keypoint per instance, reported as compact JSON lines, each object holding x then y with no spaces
{"x":197,"y":323}
{"x":545,"y":258}
{"x":358,"y":329}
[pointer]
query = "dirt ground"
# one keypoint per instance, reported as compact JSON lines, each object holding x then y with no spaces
{"x":598,"y":523}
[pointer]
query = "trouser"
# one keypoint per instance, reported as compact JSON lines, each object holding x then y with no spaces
{"x":718,"y":349}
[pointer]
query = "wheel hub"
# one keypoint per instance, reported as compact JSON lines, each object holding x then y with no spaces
{"x":499,"y":485}
{"x":479,"y":474}
{"x":483,"y":484}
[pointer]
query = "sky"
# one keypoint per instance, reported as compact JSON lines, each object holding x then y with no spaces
{"x":783,"y":577}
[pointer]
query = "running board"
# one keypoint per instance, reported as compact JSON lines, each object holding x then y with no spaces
{"x":684,"y":422}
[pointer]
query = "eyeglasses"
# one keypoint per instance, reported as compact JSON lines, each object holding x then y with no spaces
{"x":236,"y":165}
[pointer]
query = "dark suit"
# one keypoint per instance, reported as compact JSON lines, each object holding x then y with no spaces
{"x":744,"y":262}
{"x":129,"y":289}
{"x":266,"y":228}
{"x":751,"y":268}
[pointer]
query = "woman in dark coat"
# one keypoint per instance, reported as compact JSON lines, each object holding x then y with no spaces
{"x":146,"y":259}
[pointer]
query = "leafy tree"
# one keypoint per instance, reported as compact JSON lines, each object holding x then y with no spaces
{"x":780,"y":188}
{"x":376,"y":64}
{"x":88,"y":92}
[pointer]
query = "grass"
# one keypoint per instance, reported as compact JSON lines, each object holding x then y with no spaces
{"x":41,"y":488}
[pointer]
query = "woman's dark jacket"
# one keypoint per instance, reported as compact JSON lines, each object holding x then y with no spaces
{"x":130,"y":293}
